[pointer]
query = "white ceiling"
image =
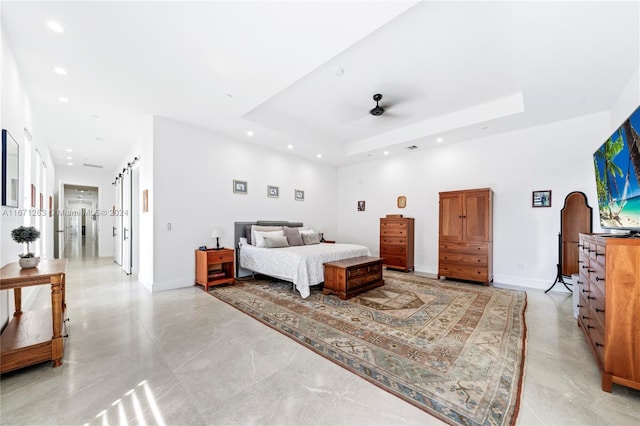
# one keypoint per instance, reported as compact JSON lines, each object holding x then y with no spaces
{"x":304,"y":72}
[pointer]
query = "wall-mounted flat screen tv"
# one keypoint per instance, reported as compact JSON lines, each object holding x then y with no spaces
{"x":617,"y":167}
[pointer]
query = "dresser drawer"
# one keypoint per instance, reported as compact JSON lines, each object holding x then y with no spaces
{"x":597,"y":339}
{"x":399,"y":261}
{"x":359,"y":281}
{"x":363,"y":270}
{"x":597,"y":276}
{"x":464,"y":247}
{"x":393,"y":250}
{"x":398,"y":241}
{"x":215,"y":256}
{"x":394,"y":232}
{"x":463,"y":259}
{"x":389,"y":224}
{"x":464,"y":272}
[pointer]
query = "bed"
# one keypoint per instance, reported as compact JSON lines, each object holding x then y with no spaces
{"x":301,"y":265}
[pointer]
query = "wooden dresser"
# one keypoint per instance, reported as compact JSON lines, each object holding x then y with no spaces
{"x":396,"y":242}
{"x":465,"y":246}
{"x":349,"y":277}
{"x":609,"y":290}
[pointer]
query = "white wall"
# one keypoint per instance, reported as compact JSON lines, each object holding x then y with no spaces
{"x":16,"y":115}
{"x":557,"y":157}
{"x":192,"y":190}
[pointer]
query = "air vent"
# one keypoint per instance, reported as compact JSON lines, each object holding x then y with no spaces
{"x":95,"y":166}
{"x":411,"y":147}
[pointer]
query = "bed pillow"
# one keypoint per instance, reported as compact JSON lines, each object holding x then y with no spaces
{"x":255,"y":228}
{"x":306,"y":231}
{"x":311,"y":239}
{"x":293,"y":236}
{"x":260,"y":236}
{"x":247,"y":233}
{"x":275,"y":242}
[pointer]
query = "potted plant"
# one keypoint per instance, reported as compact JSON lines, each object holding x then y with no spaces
{"x":26,"y":234}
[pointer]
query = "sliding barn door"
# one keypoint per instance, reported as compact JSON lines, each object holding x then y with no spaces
{"x":125,"y":214}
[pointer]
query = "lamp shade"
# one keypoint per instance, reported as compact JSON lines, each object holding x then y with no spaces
{"x":217,"y":233}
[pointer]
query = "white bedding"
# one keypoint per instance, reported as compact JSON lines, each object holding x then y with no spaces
{"x":301,"y":265}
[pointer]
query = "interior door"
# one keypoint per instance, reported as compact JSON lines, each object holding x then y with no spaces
{"x":126,"y":221}
{"x":477,"y":216}
{"x":117,"y":225}
{"x":450,"y":217}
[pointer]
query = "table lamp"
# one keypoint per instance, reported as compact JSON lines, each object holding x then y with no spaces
{"x":217,"y":234}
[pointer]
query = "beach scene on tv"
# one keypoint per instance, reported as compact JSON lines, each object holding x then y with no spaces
{"x":617,"y":167}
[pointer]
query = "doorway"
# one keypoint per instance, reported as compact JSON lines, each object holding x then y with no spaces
{"x":77,"y":222}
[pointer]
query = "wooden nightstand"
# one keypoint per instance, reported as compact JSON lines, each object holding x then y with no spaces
{"x":215,"y":267}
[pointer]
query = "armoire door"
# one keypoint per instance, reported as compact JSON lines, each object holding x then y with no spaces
{"x":477,"y":216}
{"x":450,"y":217}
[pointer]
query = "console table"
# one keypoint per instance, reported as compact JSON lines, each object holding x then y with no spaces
{"x":27,"y":338}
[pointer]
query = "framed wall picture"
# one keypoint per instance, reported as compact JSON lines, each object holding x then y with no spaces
{"x":541,"y":199}
{"x":361,"y":206}
{"x":299,"y":195}
{"x":240,"y":186}
{"x":10,"y":172}
{"x":33,"y":195}
{"x":402,"y":202}
{"x":273,"y":191}
{"x":50,"y":206}
{"x":145,"y":200}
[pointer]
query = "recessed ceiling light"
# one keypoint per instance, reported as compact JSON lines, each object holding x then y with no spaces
{"x":69,"y":150}
{"x":60,"y":71}
{"x":386,"y":153}
{"x":439,"y":140}
{"x":249,"y":133}
{"x":69,"y":158}
{"x":69,"y":164}
{"x":290,"y":146}
{"x":55,"y":27}
{"x":63,"y":100}
{"x":319,"y":155}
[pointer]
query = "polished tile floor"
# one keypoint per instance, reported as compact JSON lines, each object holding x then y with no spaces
{"x":182,"y":357}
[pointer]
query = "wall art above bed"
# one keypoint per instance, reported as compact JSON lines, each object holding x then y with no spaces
{"x":240,"y":186}
{"x":273,"y":191}
{"x":299,"y":195}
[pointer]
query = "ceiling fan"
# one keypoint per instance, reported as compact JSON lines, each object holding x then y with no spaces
{"x":378,"y":110}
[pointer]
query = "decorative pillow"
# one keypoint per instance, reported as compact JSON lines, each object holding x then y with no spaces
{"x":243,"y":242}
{"x":247,"y":233}
{"x":307,"y":231}
{"x":311,"y":239}
{"x":275,"y":242}
{"x":260,"y":236}
{"x":293,"y":236}
{"x":255,"y":228}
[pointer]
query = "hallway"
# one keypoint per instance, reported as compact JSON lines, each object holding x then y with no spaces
{"x":182,"y":357}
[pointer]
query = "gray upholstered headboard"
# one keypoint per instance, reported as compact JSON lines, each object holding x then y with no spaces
{"x":239,"y":232}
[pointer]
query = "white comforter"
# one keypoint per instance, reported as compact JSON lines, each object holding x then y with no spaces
{"x":301,"y":265}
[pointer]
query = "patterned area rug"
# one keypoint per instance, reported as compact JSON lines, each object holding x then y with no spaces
{"x":454,"y":350}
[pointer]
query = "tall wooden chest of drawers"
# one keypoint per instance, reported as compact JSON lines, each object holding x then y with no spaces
{"x":396,"y":242}
{"x":609,"y":306}
{"x":465,"y":246}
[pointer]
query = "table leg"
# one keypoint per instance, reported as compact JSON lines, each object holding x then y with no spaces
{"x":17,"y":299}
{"x":57,"y":343}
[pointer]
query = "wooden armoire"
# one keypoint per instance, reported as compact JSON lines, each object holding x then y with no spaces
{"x":465,"y":248}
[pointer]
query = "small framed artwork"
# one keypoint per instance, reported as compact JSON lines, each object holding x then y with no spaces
{"x":273,"y":191}
{"x":145,"y":200}
{"x":402,"y":202}
{"x":361,"y":206}
{"x":299,"y":195}
{"x":240,"y":186}
{"x":541,"y":199}
{"x":33,"y":195}
{"x":50,"y":206}
{"x":41,"y":201}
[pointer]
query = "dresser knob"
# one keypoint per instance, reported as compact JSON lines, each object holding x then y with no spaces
{"x":590,"y":326}
{"x":585,"y":267}
{"x":585,"y":291}
{"x":599,"y":279}
{"x":591,"y":298}
{"x":599,"y":345}
{"x":590,"y":271}
{"x":584,"y":317}
{"x":599,"y":310}
{"x":580,"y":306}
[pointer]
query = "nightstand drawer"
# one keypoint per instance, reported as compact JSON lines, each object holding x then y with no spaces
{"x":219,"y":256}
